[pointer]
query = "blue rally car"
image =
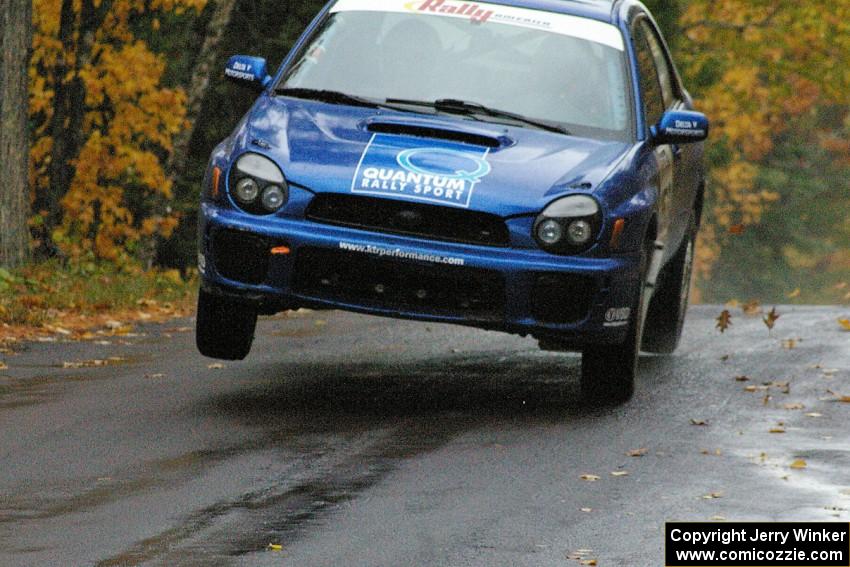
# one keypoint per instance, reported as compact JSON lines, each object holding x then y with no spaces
{"x":528,"y":166}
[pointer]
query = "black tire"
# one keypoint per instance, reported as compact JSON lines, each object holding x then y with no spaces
{"x":225,"y":327}
{"x":608,"y":371}
{"x":666,"y":315}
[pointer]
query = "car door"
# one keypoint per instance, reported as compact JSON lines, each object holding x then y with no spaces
{"x":654,"y":106}
{"x":684,"y":177}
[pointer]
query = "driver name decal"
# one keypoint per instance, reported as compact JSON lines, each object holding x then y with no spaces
{"x":443,"y":173}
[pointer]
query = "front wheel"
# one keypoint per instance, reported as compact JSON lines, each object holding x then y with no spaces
{"x":225,"y":327}
{"x":608,"y":371}
{"x":666,"y":315}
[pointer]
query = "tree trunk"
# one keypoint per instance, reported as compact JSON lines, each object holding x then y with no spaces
{"x":197,"y":88}
{"x":66,"y":125}
{"x":15,"y":43}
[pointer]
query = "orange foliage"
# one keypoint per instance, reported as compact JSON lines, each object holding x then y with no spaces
{"x":760,"y":64}
{"x":116,"y":196}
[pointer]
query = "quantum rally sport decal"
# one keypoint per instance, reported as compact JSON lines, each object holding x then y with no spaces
{"x":483,"y":13}
{"x":444,"y":173}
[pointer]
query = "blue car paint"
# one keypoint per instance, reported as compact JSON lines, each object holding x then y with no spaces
{"x":321,"y":147}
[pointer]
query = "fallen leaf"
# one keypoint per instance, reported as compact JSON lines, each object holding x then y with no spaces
{"x":753,"y":389}
{"x":718,"y":518}
{"x":789,"y":344}
{"x":737,"y":229}
{"x":845,"y":324}
{"x":3,"y":366}
{"x":637,"y":452}
{"x":777,"y":430}
{"x":724,"y":321}
{"x":792,"y":407}
{"x":590,"y":477}
{"x":699,"y":422}
{"x":771,"y":318}
{"x":814,"y":414}
{"x":799,"y":464}
{"x":795,"y":294}
{"x":742,"y":378}
{"x":620,"y":473}
{"x":590,"y":562}
{"x":587,"y":510}
{"x":713,"y":496}
{"x":216,"y":366}
{"x":840,"y":286}
{"x":275,"y":547}
{"x":96,"y":363}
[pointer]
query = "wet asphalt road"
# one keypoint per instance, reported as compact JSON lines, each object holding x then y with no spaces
{"x":351,"y":440}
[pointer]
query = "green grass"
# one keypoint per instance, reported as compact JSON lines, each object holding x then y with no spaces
{"x":42,"y":292}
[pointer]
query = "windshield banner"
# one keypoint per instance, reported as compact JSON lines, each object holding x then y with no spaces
{"x":480,"y":13}
{"x":440,"y":172}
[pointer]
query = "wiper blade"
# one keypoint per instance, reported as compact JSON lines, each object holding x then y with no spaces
{"x":471,"y":108}
{"x":333,"y":97}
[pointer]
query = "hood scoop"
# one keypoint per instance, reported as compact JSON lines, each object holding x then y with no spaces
{"x":438,"y":132}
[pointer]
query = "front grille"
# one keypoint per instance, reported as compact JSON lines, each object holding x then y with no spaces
{"x":413,"y":219}
{"x":562,"y":298}
{"x":360,"y":279}
{"x":240,"y":256}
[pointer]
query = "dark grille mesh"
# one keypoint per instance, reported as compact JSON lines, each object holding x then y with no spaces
{"x":414,"y":219}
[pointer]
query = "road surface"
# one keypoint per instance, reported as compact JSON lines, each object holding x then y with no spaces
{"x":349,"y":440}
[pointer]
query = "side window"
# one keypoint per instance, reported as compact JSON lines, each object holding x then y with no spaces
{"x":653,"y":98}
{"x":662,"y":64}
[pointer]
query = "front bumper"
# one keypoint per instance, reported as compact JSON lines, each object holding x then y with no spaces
{"x":576,"y":301}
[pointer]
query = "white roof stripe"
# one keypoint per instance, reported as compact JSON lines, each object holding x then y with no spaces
{"x":564,"y":24}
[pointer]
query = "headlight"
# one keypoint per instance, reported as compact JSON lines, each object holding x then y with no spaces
{"x":550,"y":232}
{"x":258,"y":185}
{"x":273,"y":198}
{"x":569,"y":225}
{"x":247,"y":190}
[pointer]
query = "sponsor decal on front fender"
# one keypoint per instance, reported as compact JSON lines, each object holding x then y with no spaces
{"x":445,"y":173}
{"x":618,"y":316}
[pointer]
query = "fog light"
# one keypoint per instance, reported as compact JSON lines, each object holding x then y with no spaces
{"x":273,"y":198}
{"x":550,"y":232}
{"x":580,"y":232}
{"x":247,"y":190}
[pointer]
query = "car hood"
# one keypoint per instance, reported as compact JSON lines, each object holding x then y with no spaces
{"x":436,"y":159}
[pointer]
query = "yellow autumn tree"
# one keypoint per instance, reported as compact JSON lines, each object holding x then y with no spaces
{"x":758,"y":66}
{"x":103,"y":126}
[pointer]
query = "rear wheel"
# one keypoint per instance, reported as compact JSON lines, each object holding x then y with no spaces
{"x":669,"y":303}
{"x":608,"y":371}
{"x":225,"y":327}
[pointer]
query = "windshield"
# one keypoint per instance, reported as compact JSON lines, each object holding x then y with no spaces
{"x":550,"y":67}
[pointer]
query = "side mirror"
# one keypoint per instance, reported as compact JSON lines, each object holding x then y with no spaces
{"x":680,"y":127}
{"x":247,"y":70}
